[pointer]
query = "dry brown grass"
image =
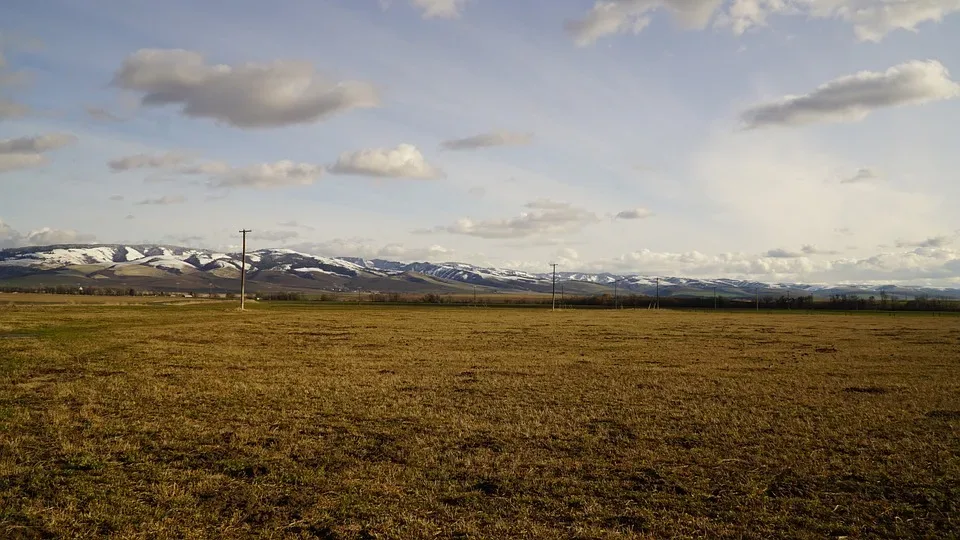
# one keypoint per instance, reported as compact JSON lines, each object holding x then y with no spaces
{"x":303,"y":421}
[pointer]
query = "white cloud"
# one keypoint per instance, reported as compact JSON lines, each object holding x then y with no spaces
{"x":780,"y":189}
{"x":102,"y":115}
{"x":440,"y":9}
{"x":25,"y":152}
{"x":46,"y":236}
{"x":273,"y":236}
{"x":296,"y":225}
{"x":932,"y":242}
{"x":933,"y":265}
{"x":223,"y":175}
{"x":367,"y":249}
{"x":622,"y":16}
{"x":862,"y":175}
{"x":148,"y":161}
{"x":212,"y":168}
{"x":404,"y":161}
{"x":634,"y":213}
{"x":36,"y":145}
{"x":546,"y":217}
{"x":810,"y":249}
{"x":266,"y":175}
{"x":872,"y":20}
{"x":781,"y":253}
{"x":166,"y":199}
{"x":853,"y":97}
{"x":11,"y":162}
{"x":246,"y":95}
{"x":485,"y":140}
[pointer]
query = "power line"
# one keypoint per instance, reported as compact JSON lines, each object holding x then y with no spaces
{"x":243,"y":268}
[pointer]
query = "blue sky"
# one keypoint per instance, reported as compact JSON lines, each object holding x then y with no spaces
{"x":685,"y":129}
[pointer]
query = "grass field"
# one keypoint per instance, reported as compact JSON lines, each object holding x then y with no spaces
{"x":196,"y":420}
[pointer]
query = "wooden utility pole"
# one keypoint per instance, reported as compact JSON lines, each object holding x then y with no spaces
{"x":714,"y":297}
{"x":243,"y":268}
{"x":757,"y":290}
{"x":553,"y":293}
{"x":658,"y":293}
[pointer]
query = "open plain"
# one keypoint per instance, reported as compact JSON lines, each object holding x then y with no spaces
{"x":304,"y":420}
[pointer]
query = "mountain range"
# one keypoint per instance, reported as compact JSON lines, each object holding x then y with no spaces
{"x":168,"y":268}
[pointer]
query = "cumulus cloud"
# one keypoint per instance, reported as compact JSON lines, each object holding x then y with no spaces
{"x":404,"y":161}
{"x":932,"y":242}
{"x":36,"y":145}
{"x":166,"y":199}
{"x":296,"y":225}
{"x":931,"y":265}
{"x":185,"y":239}
{"x":246,"y":95}
{"x":872,"y":20}
{"x":545,"y":217}
{"x":781,"y":253}
{"x":810,"y":249}
{"x":46,"y":236}
{"x":102,"y":115}
{"x":366,"y":248}
{"x":862,"y":175}
{"x":273,"y":236}
{"x":211,"y":168}
{"x":634,"y":213}
{"x":485,"y":140}
{"x":631,"y":16}
{"x":148,"y":161}
{"x":223,"y":175}
{"x":267,"y":175}
{"x":853,"y":97}
{"x":12,"y":162}
{"x":24,"y":152}
{"x":440,"y":9}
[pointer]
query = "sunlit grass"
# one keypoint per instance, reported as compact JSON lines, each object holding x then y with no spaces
{"x":198,"y":420}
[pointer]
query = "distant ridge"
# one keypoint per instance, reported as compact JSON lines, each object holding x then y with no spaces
{"x":165,"y":267}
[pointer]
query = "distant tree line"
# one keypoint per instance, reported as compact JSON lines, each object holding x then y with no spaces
{"x":882,"y":301}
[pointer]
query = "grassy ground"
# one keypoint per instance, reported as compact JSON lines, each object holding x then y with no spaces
{"x":200,"y":421}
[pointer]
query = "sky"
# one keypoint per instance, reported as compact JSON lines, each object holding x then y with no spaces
{"x":778,"y":140}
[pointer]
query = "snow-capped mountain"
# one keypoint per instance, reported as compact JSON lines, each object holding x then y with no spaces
{"x":163,"y":267}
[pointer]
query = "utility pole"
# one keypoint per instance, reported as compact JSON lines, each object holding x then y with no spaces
{"x":474,"y":296}
{"x":553,"y":294}
{"x":561,"y":296}
{"x":714,"y":297}
{"x":658,"y":293}
{"x":243,"y":268}
{"x":615,"y":293}
{"x":757,"y":290}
